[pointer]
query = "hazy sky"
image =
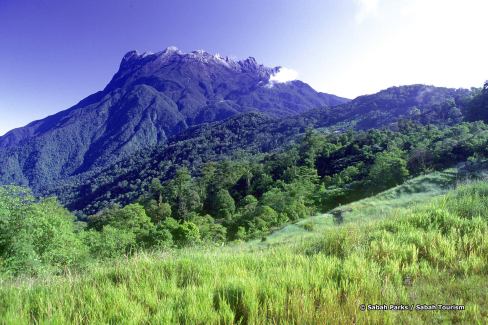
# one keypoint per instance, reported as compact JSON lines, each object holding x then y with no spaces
{"x":53,"y":53}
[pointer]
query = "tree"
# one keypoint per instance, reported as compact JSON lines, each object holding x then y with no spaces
{"x":209,"y":230}
{"x":288,"y":203}
{"x":261,"y":182}
{"x":111,"y":242}
{"x":187,"y":234}
{"x":478,"y":106}
{"x":248,"y":203}
{"x":243,"y":185}
{"x":161,"y":237}
{"x":309,"y":148}
{"x":131,"y":218}
{"x":389,"y":169}
{"x":157,"y":211}
{"x":264,"y":219}
{"x":36,"y":235}
{"x":223,"y":205}
{"x":157,"y":189}
{"x":182,"y":194}
{"x":204,"y":182}
{"x":240,"y":234}
{"x":419,"y":160}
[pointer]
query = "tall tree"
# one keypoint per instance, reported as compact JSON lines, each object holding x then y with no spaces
{"x":182,"y":192}
{"x":478,"y":107}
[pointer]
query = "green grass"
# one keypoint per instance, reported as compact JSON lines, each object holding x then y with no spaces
{"x":433,"y":253}
{"x":415,"y":191}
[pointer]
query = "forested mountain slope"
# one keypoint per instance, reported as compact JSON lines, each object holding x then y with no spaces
{"x":171,"y":109}
{"x":420,"y":103}
{"x":253,"y":133}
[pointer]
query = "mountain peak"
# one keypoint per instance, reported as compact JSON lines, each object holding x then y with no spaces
{"x":136,"y":65}
{"x":129,"y":56}
{"x":171,"y":53}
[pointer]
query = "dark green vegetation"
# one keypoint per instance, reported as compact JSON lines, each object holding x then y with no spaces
{"x":477,"y":108}
{"x":234,"y":200}
{"x":430,"y":254}
{"x":249,"y":134}
{"x":341,"y":163}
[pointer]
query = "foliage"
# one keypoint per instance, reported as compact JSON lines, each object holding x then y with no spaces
{"x":244,"y":197}
{"x":187,"y":234}
{"x":36,"y":235}
{"x":401,"y":259}
{"x":253,"y":195}
{"x":389,"y":169}
{"x":237,"y":137}
{"x":111,"y":242}
{"x":238,"y":199}
{"x":223,"y":205}
{"x":477,"y":108}
{"x":181,"y":192}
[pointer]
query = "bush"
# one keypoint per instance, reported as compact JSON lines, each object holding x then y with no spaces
{"x":110,"y":242}
{"x":187,"y":234}
{"x":210,"y":231}
{"x":36,"y":235}
{"x":131,"y":218}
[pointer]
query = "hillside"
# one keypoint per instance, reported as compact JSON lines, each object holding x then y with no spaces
{"x":418,"y":190}
{"x":190,"y":108}
{"x":152,"y":98}
{"x":412,"y":257}
{"x":254,"y":133}
{"x":420,"y":103}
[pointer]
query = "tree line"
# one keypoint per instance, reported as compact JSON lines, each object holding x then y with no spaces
{"x":233,"y":200}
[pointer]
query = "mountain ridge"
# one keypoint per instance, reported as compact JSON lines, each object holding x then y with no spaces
{"x":255,"y":133}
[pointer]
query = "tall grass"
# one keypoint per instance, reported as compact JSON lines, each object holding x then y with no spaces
{"x":432,"y":254}
{"x":415,"y":191}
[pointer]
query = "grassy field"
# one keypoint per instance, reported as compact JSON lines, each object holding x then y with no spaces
{"x":416,"y":191}
{"x":421,"y":251}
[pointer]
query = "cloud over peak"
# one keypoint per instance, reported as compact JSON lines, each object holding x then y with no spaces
{"x":283,"y":75}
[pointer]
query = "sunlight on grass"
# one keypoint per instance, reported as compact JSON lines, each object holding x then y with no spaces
{"x":415,"y":191}
{"x":440,"y":247}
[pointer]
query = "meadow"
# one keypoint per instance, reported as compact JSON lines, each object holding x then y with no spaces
{"x":416,"y":191}
{"x":432,"y":252}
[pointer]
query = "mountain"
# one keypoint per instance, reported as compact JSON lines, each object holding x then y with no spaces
{"x":419,"y":103}
{"x":255,"y":133}
{"x":170,"y":109}
{"x":151,"y":98}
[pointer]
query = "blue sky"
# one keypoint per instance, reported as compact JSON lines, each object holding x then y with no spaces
{"x":53,"y":53}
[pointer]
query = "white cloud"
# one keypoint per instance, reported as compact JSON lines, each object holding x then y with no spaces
{"x":437,"y":42}
{"x":365,"y":9}
{"x":283,"y":75}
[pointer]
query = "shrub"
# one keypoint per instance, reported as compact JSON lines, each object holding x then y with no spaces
{"x":36,"y":235}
